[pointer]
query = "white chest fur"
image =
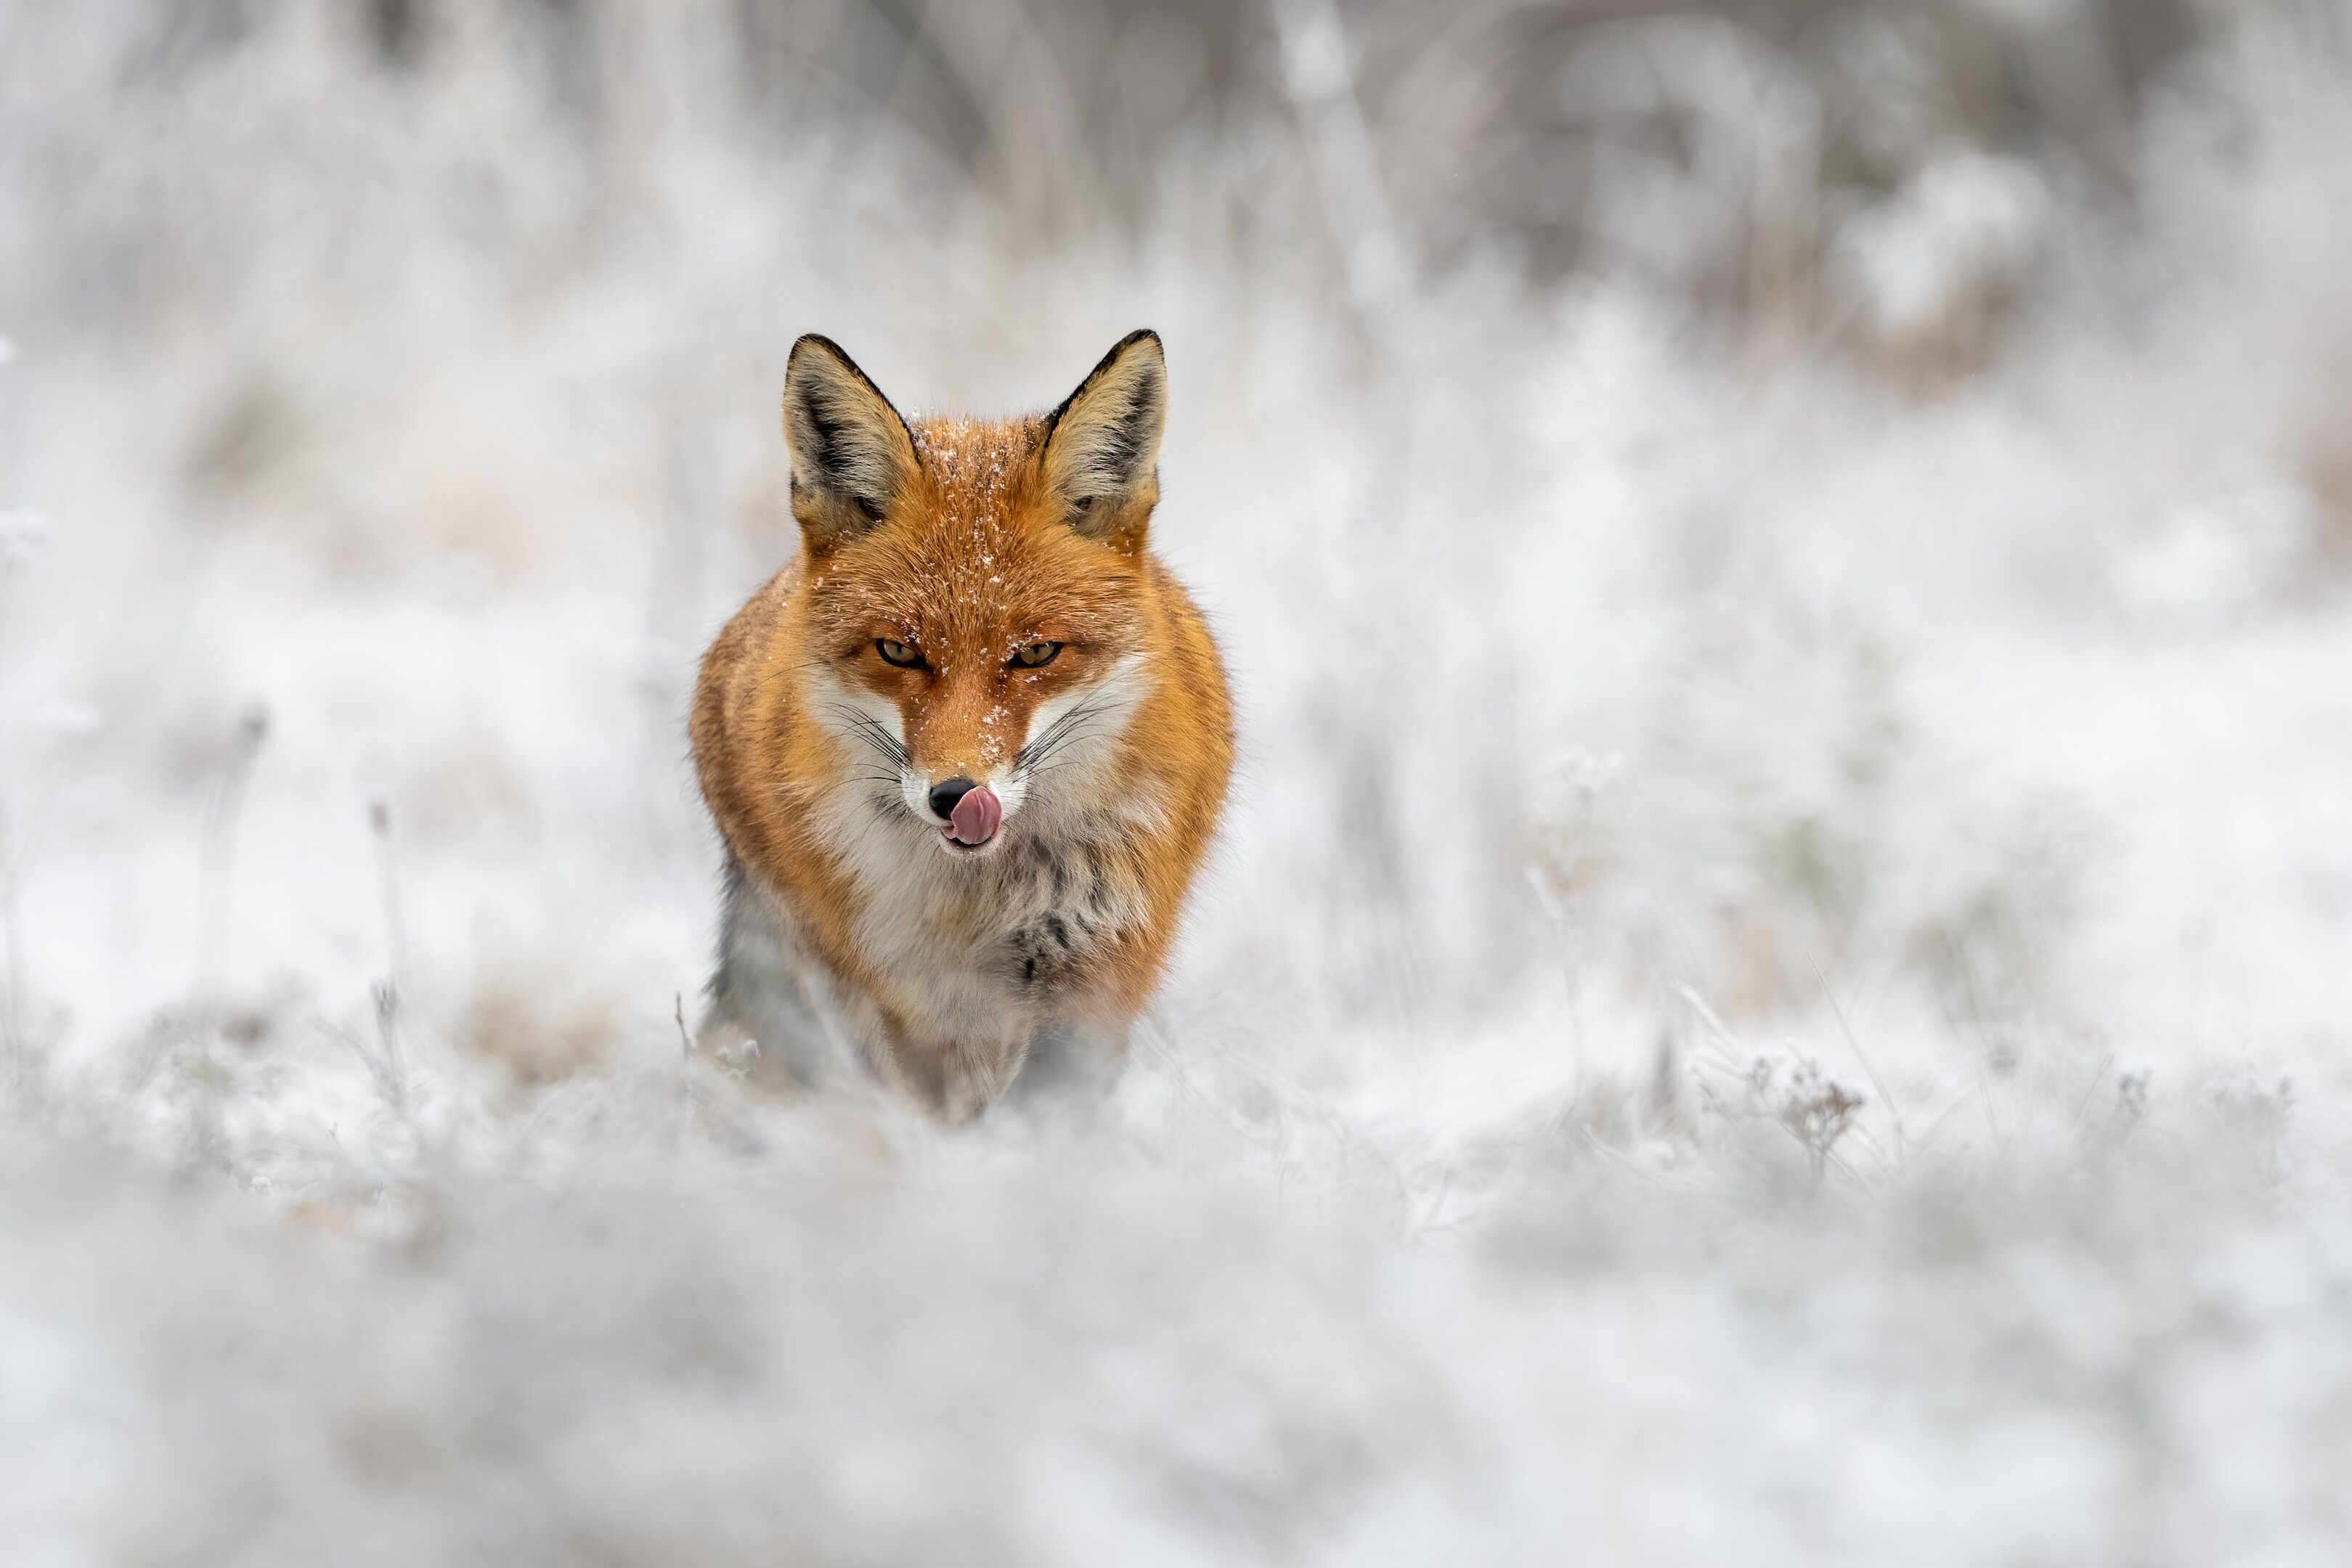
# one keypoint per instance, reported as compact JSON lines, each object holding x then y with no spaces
{"x":984,"y":949}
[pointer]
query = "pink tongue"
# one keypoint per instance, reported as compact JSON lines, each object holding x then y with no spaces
{"x":975,"y":816}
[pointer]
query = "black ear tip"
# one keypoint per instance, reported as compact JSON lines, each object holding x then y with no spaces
{"x":1134,"y":343}
{"x":815,"y":343}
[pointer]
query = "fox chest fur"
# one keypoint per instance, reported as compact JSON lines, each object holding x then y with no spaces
{"x":967,"y":752}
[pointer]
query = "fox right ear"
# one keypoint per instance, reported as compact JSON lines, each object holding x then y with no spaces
{"x":1102,"y":445}
{"x":851,"y":453}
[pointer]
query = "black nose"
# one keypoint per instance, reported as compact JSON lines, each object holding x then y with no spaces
{"x":946,"y":793}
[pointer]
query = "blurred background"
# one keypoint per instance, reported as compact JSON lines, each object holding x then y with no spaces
{"x":1785,"y":566}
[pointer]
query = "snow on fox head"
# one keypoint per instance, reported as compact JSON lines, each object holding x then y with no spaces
{"x":977,"y":627}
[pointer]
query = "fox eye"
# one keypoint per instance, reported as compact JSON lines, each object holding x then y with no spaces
{"x":1036,"y":654}
{"x":906,"y":655}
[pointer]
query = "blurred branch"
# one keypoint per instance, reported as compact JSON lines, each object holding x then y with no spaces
{"x":12,"y":932}
{"x":217,"y":867}
{"x":1317,"y":75}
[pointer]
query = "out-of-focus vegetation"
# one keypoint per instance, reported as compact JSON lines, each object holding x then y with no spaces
{"x":1772,"y":990}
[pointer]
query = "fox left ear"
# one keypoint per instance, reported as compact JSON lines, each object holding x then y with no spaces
{"x":1102,"y":445}
{"x":852,"y":452}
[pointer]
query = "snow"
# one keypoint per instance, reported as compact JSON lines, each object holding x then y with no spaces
{"x":1774,"y":989}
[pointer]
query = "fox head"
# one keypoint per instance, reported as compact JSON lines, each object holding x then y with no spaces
{"x":977,"y":591}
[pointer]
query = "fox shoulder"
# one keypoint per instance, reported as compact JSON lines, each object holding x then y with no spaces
{"x":722,"y":725}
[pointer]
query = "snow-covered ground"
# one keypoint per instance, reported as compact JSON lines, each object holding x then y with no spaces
{"x":1778,"y":988}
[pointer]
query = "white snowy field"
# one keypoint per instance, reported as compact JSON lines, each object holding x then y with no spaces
{"x":1778,"y":984}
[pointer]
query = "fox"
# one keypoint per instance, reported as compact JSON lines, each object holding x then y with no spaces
{"x":966,"y":751}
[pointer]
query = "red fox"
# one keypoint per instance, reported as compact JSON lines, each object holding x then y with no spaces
{"x":967,"y":750}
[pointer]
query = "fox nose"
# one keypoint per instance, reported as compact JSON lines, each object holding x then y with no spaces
{"x":946,"y":793}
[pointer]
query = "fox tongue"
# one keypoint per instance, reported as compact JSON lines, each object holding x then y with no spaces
{"x":976,"y":816}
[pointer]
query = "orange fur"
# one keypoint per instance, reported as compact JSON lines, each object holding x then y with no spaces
{"x":945,"y":966}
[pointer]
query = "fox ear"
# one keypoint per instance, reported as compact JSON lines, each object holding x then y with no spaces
{"x":851,"y":453}
{"x":1102,"y":445}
